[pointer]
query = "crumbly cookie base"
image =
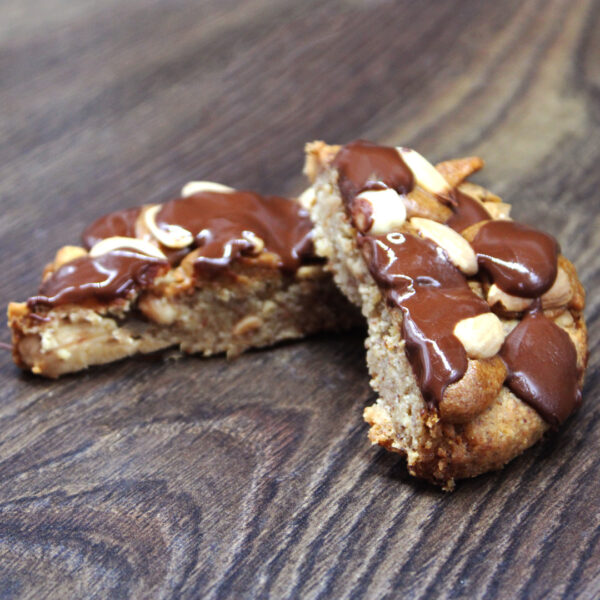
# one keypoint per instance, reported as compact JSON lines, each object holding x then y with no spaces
{"x":400,"y":420}
{"x":256,"y":310}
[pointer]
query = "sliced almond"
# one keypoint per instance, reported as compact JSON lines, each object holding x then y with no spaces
{"x":386,"y":208}
{"x":173,"y":236}
{"x":455,"y":171}
{"x":118,"y":242}
{"x":458,"y":249}
{"x":482,"y":336}
{"x":511,"y":303}
{"x":425,"y":174}
{"x":195,"y":187}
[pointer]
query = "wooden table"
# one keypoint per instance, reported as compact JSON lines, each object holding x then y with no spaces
{"x":248,"y":479}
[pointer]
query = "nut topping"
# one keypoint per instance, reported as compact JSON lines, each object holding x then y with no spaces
{"x":118,"y":242}
{"x":482,"y":336}
{"x":378,"y":211}
{"x":425,"y":174}
{"x":258,"y":244}
{"x":458,"y":249}
{"x":173,"y":237}
{"x":508,"y":301}
{"x":560,"y":293}
{"x":195,"y":187}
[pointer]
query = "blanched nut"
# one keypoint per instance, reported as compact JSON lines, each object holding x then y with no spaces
{"x":455,"y":171}
{"x":478,"y":192}
{"x":195,"y":187}
{"x":378,"y":211}
{"x":258,"y":245}
{"x":425,"y":174}
{"x":310,"y":272}
{"x":459,"y":251}
{"x":558,"y":296}
{"x":172,"y":237}
{"x":119,"y":242}
{"x":160,"y":310}
{"x":479,"y":387}
{"x":482,"y":336}
{"x":498,"y":210}
{"x":247,"y":325}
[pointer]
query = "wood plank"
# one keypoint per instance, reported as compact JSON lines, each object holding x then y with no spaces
{"x":254,"y":478}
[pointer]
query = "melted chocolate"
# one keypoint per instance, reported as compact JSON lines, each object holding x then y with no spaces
{"x":466,"y":211}
{"x":520,"y":260}
{"x":218,"y":220}
{"x":433,"y":296}
{"x":119,"y":223}
{"x":362,"y":165}
{"x":542,"y":367}
{"x":109,"y":276}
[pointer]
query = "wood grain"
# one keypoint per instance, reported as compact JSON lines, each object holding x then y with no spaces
{"x":251,"y":479}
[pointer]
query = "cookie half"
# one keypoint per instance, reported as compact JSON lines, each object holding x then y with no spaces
{"x":477,"y":343}
{"x":215,"y":270}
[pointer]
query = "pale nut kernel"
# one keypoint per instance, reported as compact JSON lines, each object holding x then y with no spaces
{"x":247,"y":325}
{"x":560,"y":293}
{"x":482,"y":336}
{"x":498,"y":210}
{"x":160,"y":310}
{"x":565,"y":320}
{"x":196,"y":187}
{"x":387,"y":211}
{"x":118,"y":242}
{"x":307,"y":198}
{"x":258,"y":244}
{"x":459,"y":251}
{"x":172,"y":237}
{"x":425,"y":174}
{"x":511,"y":303}
{"x":67,"y":254}
{"x":310,"y":272}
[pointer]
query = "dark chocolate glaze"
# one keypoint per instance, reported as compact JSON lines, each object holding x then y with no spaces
{"x":363,"y":165}
{"x":466,"y":211}
{"x":542,"y":367}
{"x":121,"y":223}
{"x":519,"y":259}
{"x":106,"y":277}
{"x":218,"y":220}
{"x":433,"y":296}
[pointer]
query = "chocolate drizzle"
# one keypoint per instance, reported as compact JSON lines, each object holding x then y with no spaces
{"x":362,"y":165}
{"x":225,"y":227}
{"x":121,"y":223}
{"x":417,"y":276}
{"x":433,"y":296}
{"x":106,"y":277}
{"x":466,"y":211}
{"x":218,"y":222}
{"x":520,"y":260}
{"x":542,"y":367}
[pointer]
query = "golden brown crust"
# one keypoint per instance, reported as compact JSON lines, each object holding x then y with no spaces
{"x":455,"y":171}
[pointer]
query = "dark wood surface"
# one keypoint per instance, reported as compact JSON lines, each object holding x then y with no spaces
{"x":156,"y":478}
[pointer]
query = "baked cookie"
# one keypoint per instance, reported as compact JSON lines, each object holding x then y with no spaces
{"x":477,"y":343}
{"x":216,"y":270}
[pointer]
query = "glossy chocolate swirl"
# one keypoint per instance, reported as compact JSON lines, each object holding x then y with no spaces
{"x":362,"y":165}
{"x":417,"y":276}
{"x":433,"y":296}
{"x":542,"y":367}
{"x":225,"y":227}
{"x":520,"y":260}
{"x":106,"y":277}
{"x":218,"y":221}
